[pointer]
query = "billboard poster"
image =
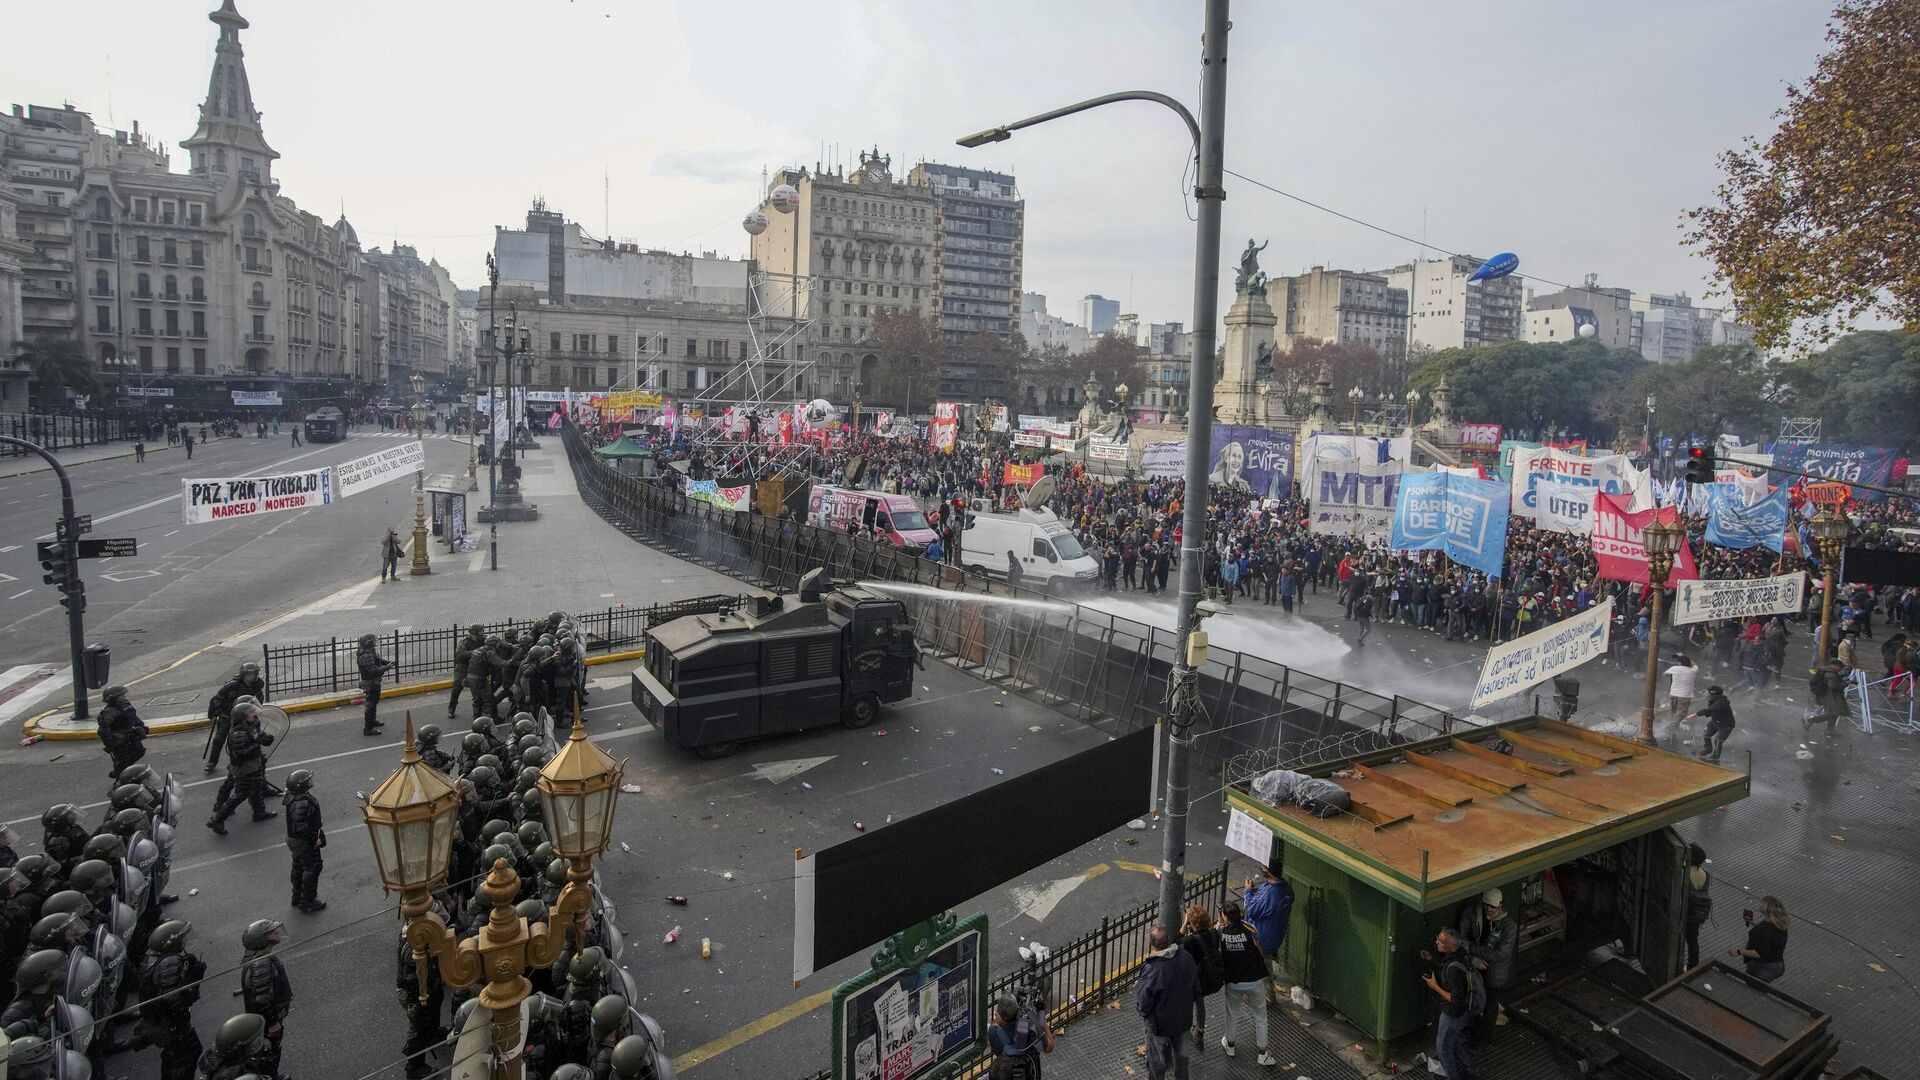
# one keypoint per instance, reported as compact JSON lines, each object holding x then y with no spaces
{"x":1164,"y":460}
{"x":1733,"y":522}
{"x":217,"y":500}
{"x":392,"y":463}
{"x":1352,"y":497}
{"x":1252,"y":459}
{"x":1836,"y":461}
{"x":1619,"y":541}
{"x":906,"y":1022}
{"x":1738,"y":598}
{"x":1480,"y":436}
{"x":1466,"y":519}
{"x":1534,"y":658}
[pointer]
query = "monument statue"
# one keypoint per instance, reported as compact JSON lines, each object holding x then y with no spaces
{"x":1250,"y":277}
{"x":1263,"y":362}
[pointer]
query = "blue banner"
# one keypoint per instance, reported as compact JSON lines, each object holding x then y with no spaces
{"x":1732,"y":523}
{"x":1252,"y":459}
{"x":1835,"y":461}
{"x":1461,"y":516}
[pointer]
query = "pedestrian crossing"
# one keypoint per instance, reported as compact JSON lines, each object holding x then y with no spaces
{"x":408,"y":435}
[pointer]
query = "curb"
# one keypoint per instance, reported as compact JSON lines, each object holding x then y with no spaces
{"x":89,"y":461}
{"x":321,"y":703}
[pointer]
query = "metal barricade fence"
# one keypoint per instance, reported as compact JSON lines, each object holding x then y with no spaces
{"x":329,"y":666}
{"x":1094,"y":969}
{"x":64,"y":430}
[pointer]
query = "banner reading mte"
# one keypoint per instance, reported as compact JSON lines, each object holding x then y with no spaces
{"x":1539,"y":656}
{"x":1738,"y":598}
{"x":217,"y":500}
{"x":392,"y":463}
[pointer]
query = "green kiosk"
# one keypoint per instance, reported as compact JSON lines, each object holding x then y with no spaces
{"x":1575,"y":827}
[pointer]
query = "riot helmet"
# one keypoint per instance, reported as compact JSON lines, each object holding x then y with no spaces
{"x":632,"y":1058}
{"x":428,"y":736}
{"x":493,"y":828}
{"x":106,"y":847}
{"x":60,"y":930}
{"x":242,"y":1035}
{"x":532,"y":909}
{"x":609,"y":1016}
{"x":531,"y":833}
{"x":300,"y":780}
{"x":114,"y":695}
{"x":134,"y":795}
{"x":60,"y":812}
{"x":474,"y":744}
{"x":260,"y":933}
{"x":138,"y":773}
{"x":169,"y":936}
{"x":367,"y":641}
{"x":39,"y":967}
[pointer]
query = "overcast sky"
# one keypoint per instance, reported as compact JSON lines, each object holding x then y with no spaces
{"x":1574,"y":136}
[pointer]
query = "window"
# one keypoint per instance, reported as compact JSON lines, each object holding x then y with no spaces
{"x":173,"y":360}
{"x":102,"y":209}
{"x":259,"y":326}
{"x":199,"y":289}
{"x":172,"y":291}
{"x":173,"y":329}
{"x":146,"y":358}
{"x":693,"y":349}
{"x":613,"y":375}
{"x":142,"y":285}
{"x":140,"y":252}
{"x":101,"y":287}
{"x":169,"y":251}
{"x":247,"y":227}
{"x":199,"y":324}
{"x":199,"y":361}
{"x":139,"y":209}
{"x":103,"y":245}
{"x":553,"y":341}
{"x":259,"y":294}
{"x":689,"y":376}
{"x":103,"y":319}
{"x":197,"y":254}
{"x":143,"y":320}
{"x":193,"y":215}
{"x":613,"y":346}
{"x":253,"y":258}
{"x":717,"y":350}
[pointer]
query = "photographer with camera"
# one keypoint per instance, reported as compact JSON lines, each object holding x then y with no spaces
{"x":1019,"y":1036}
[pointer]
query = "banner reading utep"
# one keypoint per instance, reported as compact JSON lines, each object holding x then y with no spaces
{"x":1022,"y":474}
{"x":1252,"y":459}
{"x":1564,"y":470}
{"x":218,"y":500}
{"x":1466,"y":519}
{"x":1619,"y":541}
{"x":1836,"y":461}
{"x":1738,"y":598}
{"x":1539,"y":656}
{"x":392,"y":463}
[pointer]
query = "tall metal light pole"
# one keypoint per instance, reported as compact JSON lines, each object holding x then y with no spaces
{"x":75,"y":592}
{"x":1183,"y":692}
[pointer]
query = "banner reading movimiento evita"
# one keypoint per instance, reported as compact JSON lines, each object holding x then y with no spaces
{"x":216,"y":500}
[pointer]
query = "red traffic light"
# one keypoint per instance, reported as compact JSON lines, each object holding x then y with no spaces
{"x":1696,"y":452}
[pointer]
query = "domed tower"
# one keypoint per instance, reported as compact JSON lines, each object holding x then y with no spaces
{"x":229,"y":141}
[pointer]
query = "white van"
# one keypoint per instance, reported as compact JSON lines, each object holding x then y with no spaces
{"x":1042,"y":545}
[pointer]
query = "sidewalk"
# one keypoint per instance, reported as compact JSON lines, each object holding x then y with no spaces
{"x":1106,"y":1044}
{"x":21,"y":465}
{"x":569,"y":559}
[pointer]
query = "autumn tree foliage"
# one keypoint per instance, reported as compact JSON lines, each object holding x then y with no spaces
{"x":1819,"y":227}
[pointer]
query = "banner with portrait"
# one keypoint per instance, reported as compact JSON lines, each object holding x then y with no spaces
{"x":1252,"y":459}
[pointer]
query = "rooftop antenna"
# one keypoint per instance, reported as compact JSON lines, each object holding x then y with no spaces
{"x":606,"y":200}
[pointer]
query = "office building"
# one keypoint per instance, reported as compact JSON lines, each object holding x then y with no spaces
{"x":1098,"y":314}
{"x":1343,"y":307}
{"x":1446,"y":311}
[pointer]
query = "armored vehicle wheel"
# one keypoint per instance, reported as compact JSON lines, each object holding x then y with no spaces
{"x":716,"y":751}
{"x":861,"y":711}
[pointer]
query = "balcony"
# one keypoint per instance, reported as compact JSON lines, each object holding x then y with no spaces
{"x":143,"y":295}
{"x":259,"y":303}
{"x":259,"y":339}
{"x":257,"y":267}
{"x":172,"y":296}
{"x":142,"y":258}
{"x":197,"y":335}
{"x":172,"y":332}
{"x":99,"y":292}
{"x":143,"y":331}
{"x":199,"y":261}
{"x":197,"y":298}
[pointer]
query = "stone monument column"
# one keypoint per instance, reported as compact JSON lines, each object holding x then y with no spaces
{"x":1240,"y":396}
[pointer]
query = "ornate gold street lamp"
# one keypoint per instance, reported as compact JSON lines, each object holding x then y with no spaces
{"x":1829,"y":531}
{"x":1662,"y":542}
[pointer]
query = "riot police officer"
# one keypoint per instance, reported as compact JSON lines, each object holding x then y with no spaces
{"x":463,"y":653}
{"x":8,"y":854}
{"x":264,"y":989}
{"x":121,"y":732}
{"x":611,"y":1023}
{"x":428,"y":742}
{"x":17,"y":911}
{"x":373,"y":668}
{"x":169,"y":985}
{"x":246,"y":685}
{"x":586,"y":983}
{"x":635,"y":1058}
{"x":65,"y":838}
{"x":246,"y":769}
{"x":306,"y":835}
{"x":240,"y":1048}
{"x":40,"y":978}
{"x":480,"y":677}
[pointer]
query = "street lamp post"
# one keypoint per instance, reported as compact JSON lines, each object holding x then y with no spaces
{"x":1355,"y":396}
{"x":421,"y":565}
{"x":412,"y":819}
{"x":1829,"y":531}
{"x":1208,"y":143}
{"x":1662,"y":542}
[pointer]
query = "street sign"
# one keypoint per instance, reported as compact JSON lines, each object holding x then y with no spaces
{"x":83,"y":523}
{"x":110,"y":547}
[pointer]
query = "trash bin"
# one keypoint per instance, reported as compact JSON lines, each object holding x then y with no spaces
{"x":96,"y":661}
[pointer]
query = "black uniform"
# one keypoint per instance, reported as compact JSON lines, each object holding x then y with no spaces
{"x":166,"y":1017}
{"x":480,"y":678}
{"x":16,"y":923}
{"x":373,"y":668}
{"x":220,"y":711}
{"x":217,"y":1066}
{"x":424,"y":1029}
{"x":437,"y":758}
{"x":305,"y":837}
{"x":122,"y":734}
{"x":264,"y":989}
{"x":247,"y":769}
{"x":65,"y":843}
{"x":463,"y":654}
{"x":562,"y":671}
{"x":27,"y":1015}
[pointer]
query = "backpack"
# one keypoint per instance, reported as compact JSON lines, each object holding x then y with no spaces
{"x":1476,"y":990}
{"x":1213,"y":963}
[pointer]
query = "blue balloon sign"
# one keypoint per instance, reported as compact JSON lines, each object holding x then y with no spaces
{"x":1497,"y":267}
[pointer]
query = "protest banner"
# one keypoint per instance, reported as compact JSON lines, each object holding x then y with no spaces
{"x":730,"y":497}
{"x":1534,"y":658}
{"x":379,"y":467}
{"x":1738,"y":598}
{"x":944,"y":433}
{"x":1566,"y":470}
{"x":1106,"y":449}
{"x":1164,"y":460}
{"x":1466,"y":519}
{"x":1733,"y":522}
{"x":1029,"y":438}
{"x":1252,"y":459}
{"x":1835,"y":461}
{"x":1480,"y":436}
{"x":255,"y":397}
{"x":997,"y":417}
{"x":1022,"y":474}
{"x":1619,"y":541}
{"x":1349,"y":497}
{"x":219,"y":500}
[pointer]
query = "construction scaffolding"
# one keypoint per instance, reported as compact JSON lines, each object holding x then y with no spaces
{"x":767,"y":379}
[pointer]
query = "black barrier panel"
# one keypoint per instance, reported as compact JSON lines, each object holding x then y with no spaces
{"x":1872,"y":566}
{"x":875,"y":885}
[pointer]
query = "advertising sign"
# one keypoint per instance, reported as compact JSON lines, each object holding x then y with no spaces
{"x":1252,"y":459}
{"x":628,"y":399}
{"x":216,"y":500}
{"x":1836,"y":461}
{"x":944,"y":432}
{"x":902,"y":1022}
{"x":1107,"y":450}
{"x":1164,"y":460}
{"x":1480,"y":436}
{"x":1733,"y":522}
{"x":1738,"y":598}
{"x":392,"y":463}
{"x":1465,"y":518}
{"x":1539,"y":656}
{"x":1619,"y":541}
{"x":1352,"y":497}
{"x":148,"y":391}
{"x":256,"y":397}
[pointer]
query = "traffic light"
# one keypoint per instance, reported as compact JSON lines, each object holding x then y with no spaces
{"x":1700,"y":464}
{"x":58,"y":569}
{"x":74,"y":597}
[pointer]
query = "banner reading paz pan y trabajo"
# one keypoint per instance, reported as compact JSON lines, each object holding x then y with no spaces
{"x":215,"y":500}
{"x":1539,"y":656}
{"x":1738,"y":598}
{"x":375,"y":469}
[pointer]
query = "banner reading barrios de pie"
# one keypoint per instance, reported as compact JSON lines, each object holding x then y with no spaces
{"x":217,"y":500}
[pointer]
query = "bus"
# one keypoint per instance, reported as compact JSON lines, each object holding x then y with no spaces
{"x":326,"y":424}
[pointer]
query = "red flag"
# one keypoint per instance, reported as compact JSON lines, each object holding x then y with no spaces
{"x":1619,"y":540}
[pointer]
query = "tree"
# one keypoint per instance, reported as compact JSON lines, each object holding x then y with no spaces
{"x":57,"y":364}
{"x":1863,"y":388}
{"x":1112,"y":360}
{"x":909,"y":358}
{"x":1345,"y":365}
{"x":1531,"y":386}
{"x":1819,"y":227}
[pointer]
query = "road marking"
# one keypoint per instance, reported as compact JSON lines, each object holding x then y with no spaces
{"x":479,"y":562}
{"x":8,"y":577}
{"x":169,"y":534}
{"x":779,"y":772}
{"x":19,"y":594}
{"x":751,"y":1030}
{"x":9,"y":547}
{"x":1038,"y":901}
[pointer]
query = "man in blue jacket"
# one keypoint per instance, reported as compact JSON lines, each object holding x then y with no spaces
{"x":1269,"y":904}
{"x":1169,"y":985}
